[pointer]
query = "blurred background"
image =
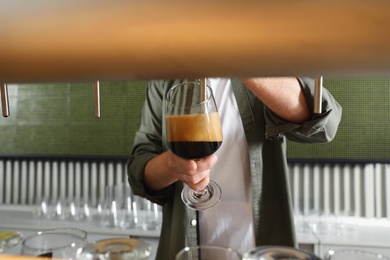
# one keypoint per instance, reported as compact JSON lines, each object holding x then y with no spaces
{"x":53,"y":148}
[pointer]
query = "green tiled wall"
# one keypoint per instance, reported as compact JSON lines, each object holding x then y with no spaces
{"x":364,"y":131}
{"x":58,"y":119}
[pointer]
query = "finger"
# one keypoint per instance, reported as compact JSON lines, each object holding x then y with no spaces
{"x":206,"y":163}
{"x":200,"y":184}
{"x":181,"y":164}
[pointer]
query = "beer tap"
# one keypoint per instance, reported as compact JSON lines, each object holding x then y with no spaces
{"x":96,"y":88}
{"x":4,"y":100}
{"x":318,"y":95}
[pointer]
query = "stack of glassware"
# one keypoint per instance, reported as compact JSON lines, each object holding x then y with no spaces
{"x":118,"y":208}
{"x":325,"y":223}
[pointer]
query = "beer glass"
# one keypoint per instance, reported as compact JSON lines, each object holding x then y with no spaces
{"x":61,"y":243}
{"x":204,"y":252}
{"x":193,"y":131}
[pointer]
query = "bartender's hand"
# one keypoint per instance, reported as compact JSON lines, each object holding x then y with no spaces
{"x":166,"y":168}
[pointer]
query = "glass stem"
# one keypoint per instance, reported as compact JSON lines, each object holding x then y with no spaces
{"x":200,"y":193}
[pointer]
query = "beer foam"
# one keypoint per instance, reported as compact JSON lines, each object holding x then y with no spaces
{"x":194,"y":128}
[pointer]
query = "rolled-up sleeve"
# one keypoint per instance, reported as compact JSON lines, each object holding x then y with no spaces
{"x":320,"y":128}
{"x":148,"y":143}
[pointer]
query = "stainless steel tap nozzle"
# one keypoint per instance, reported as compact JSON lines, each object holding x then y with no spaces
{"x":4,"y":100}
{"x":318,"y":95}
{"x":96,"y":88}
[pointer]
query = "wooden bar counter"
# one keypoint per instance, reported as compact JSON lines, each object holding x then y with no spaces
{"x":55,"y":40}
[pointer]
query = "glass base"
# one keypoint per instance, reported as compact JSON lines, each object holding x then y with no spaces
{"x":9,"y":239}
{"x":280,"y":253}
{"x":208,"y":199}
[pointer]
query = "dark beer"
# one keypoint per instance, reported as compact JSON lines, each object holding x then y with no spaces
{"x":194,"y":136}
{"x":194,"y":150}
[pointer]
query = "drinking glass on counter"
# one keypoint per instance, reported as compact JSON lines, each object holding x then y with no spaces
{"x":75,"y":209}
{"x":193,"y":131}
{"x":116,"y":248}
{"x":278,"y":253}
{"x":117,"y":207}
{"x":355,"y":254}
{"x":127,"y":217}
{"x":204,"y":252}
{"x":123,"y":209}
{"x":152,"y":216}
{"x":61,"y":243}
{"x":112,"y":206}
{"x":9,"y":239}
{"x":320,"y":222}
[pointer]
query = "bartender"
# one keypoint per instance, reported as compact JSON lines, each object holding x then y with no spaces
{"x":257,"y":115}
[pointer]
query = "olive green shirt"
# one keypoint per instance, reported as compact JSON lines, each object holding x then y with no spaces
{"x":266,"y":135}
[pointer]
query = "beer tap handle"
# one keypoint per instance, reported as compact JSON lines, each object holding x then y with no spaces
{"x":96,"y":90}
{"x":4,"y":100}
{"x":318,"y":95}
